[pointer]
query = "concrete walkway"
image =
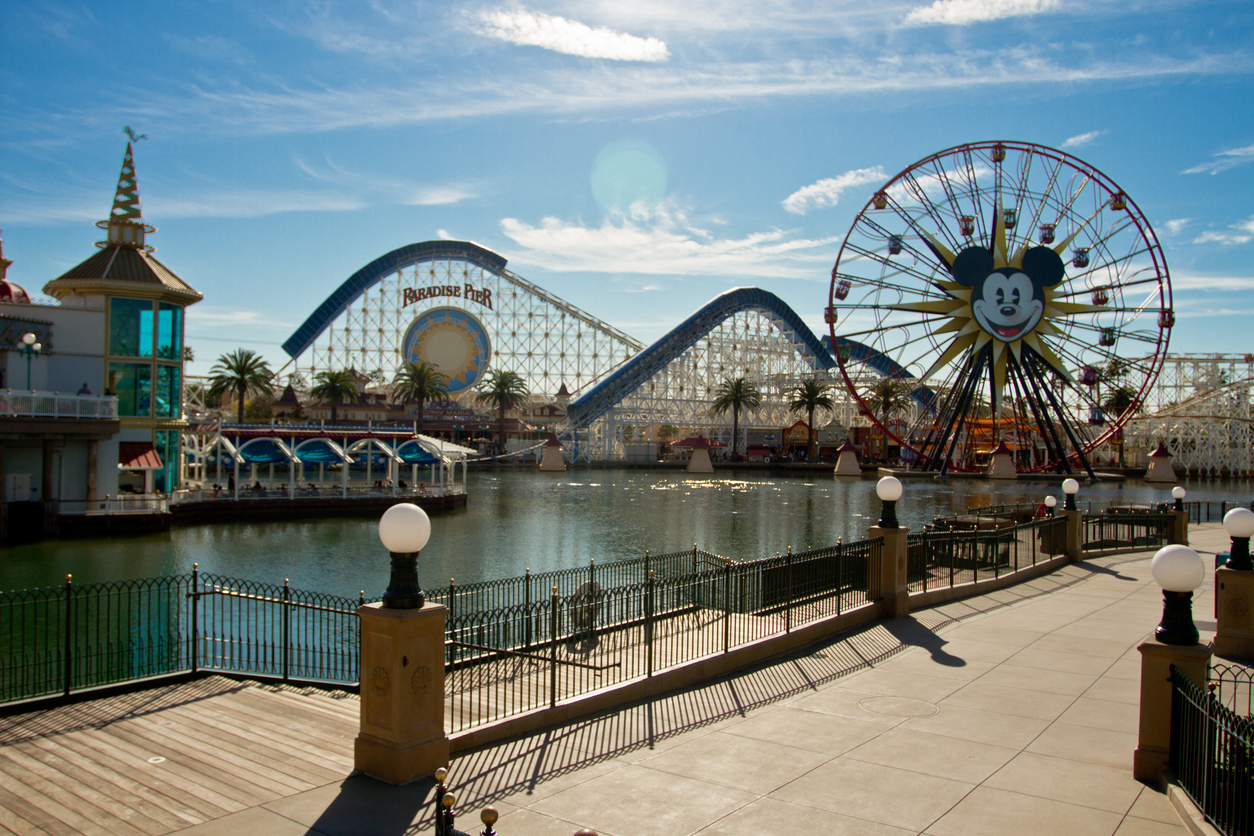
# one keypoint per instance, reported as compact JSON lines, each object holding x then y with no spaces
{"x":1014,"y":712}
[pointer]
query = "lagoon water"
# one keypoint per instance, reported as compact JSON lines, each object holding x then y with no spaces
{"x":520,"y":519}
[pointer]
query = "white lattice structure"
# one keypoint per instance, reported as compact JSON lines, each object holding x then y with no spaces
{"x":747,"y":344}
{"x":1200,"y":407}
{"x":546,"y":340}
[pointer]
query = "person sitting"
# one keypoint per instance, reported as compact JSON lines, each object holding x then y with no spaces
{"x":257,"y":486}
{"x":401,"y":484}
{"x":422,"y":488}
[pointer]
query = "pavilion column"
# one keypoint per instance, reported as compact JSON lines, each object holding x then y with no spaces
{"x":93,"y":452}
{"x":45,"y":483}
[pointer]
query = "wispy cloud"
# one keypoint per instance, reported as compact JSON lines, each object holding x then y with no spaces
{"x":1175,"y":225}
{"x":570,"y":36}
{"x":1224,"y":161}
{"x":1184,"y":281}
{"x":962,"y":12}
{"x":390,"y":189}
{"x":826,"y":192}
{"x":1242,"y":233}
{"x":667,"y":243}
{"x":1080,"y":140}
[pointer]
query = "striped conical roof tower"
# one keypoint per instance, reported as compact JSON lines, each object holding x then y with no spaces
{"x":126,"y":220}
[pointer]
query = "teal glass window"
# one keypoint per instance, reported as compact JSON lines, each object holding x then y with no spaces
{"x":167,"y":447}
{"x":169,"y":331}
{"x":132,"y":384}
{"x":167,"y":393}
{"x":130,"y":328}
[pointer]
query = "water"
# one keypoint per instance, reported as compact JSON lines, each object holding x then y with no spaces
{"x":520,"y":519}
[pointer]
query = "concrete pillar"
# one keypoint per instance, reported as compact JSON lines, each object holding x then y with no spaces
{"x":892,"y":579}
{"x":1075,"y":534}
{"x":1234,"y":630}
{"x":1180,"y":527}
{"x":402,"y":735}
{"x":45,"y":483}
{"x":1153,"y":746}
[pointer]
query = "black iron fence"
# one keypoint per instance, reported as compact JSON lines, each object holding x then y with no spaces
{"x":1206,"y":510}
{"x":1123,"y":530}
{"x":71,"y":637}
{"x":583,"y":636}
{"x":1212,"y":753}
{"x":945,"y":559}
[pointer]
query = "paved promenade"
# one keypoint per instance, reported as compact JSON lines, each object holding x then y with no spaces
{"x":1013,"y":712}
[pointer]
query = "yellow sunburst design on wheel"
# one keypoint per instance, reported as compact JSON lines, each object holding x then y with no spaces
{"x":451,"y":340}
{"x":971,"y":328}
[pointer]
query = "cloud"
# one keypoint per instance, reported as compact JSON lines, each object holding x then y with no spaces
{"x":1227,"y":159}
{"x":1200,"y":281}
{"x":962,"y":12}
{"x":1176,"y":224}
{"x":1081,"y":140}
{"x":826,"y":192}
{"x":667,"y":243}
{"x":570,"y":36}
{"x":1243,"y":233}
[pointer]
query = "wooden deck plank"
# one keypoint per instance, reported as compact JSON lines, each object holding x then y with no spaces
{"x":263,"y":707}
{"x":228,"y":765}
{"x":128,"y":809}
{"x":315,"y":710}
{"x":165,"y":807}
{"x":57,"y":804}
{"x":311,"y":748}
{"x":190,"y":806}
{"x":229,"y":796}
{"x":253,"y":744}
{"x":20,"y":817}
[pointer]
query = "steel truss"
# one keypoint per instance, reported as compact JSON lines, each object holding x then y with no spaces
{"x":746,"y":344}
{"x":545,"y":340}
{"x":1200,"y":407}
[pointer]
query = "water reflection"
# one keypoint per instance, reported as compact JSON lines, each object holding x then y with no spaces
{"x":521,"y":519}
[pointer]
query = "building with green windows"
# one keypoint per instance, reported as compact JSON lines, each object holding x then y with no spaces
{"x":116,"y":333}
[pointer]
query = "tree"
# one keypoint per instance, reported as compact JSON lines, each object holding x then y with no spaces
{"x":889,"y":398}
{"x":735,"y":394}
{"x":811,"y":395}
{"x":419,"y":382}
{"x":242,"y":372}
{"x":505,"y":390}
{"x":334,"y":386}
{"x":667,"y":433}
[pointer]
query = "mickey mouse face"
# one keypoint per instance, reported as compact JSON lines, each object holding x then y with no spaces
{"x":1008,"y":307}
{"x":1008,"y":302}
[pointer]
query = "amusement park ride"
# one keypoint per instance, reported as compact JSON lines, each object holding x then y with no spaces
{"x":995,"y":292}
{"x":1011,"y":293}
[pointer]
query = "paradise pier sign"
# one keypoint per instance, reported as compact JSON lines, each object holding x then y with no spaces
{"x":412,"y":295}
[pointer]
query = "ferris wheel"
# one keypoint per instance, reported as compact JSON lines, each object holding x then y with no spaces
{"x":1001,"y":293}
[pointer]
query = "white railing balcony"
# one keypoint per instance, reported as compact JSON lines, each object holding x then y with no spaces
{"x":35,"y":404}
{"x":150,"y":503}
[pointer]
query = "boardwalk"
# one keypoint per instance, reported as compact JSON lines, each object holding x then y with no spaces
{"x":1008,"y":712}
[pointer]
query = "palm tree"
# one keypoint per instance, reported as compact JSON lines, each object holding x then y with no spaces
{"x":419,"y":382}
{"x":242,"y":372}
{"x":735,"y":395}
{"x":890,"y":397}
{"x":811,"y":395}
{"x":507,"y":390}
{"x":334,"y":386}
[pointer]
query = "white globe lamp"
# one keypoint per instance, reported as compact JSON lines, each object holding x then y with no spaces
{"x":1178,"y":570}
{"x":1070,"y":487}
{"x":888,"y":490}
{"x":1239,"y":523}
{"x":1178,"y":493}
{"x":404,"y":529}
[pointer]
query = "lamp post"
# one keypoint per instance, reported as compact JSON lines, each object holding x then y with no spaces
{"x":1070,"y":487}
{"x":888,"y":490}
{"x":30,"y":348}
{"x":1178,"y":570}
{"x":1178,"y":493}
{"x":1239,"y":523}
{"x":1051,"y":502}
{"x":404,"y":529}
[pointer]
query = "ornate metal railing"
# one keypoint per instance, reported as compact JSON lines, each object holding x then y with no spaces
{"x":1121,"y":531}
{"x":1212,"y":754}
{"x":37,"y":404}
{"x":947,"y":559}
{"x":1206,"y":510}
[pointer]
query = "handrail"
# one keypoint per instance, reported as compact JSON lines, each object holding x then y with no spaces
{"x":34,"y":403}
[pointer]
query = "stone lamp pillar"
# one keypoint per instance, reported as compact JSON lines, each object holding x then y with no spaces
{"x":1234,"y":590}
{"x":893,"y":579}
{"x":402,"y":735}
{"x":1178,"y":570}
{"x":1075,"y":519}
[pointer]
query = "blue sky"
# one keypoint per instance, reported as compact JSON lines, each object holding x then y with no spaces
{"x":635,"y":159}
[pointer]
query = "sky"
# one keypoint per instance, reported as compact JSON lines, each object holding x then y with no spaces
{"x":635,"y":159}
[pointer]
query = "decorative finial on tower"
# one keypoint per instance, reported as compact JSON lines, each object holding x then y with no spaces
{"x":126,"y":220}
{"x":4,"y":262}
